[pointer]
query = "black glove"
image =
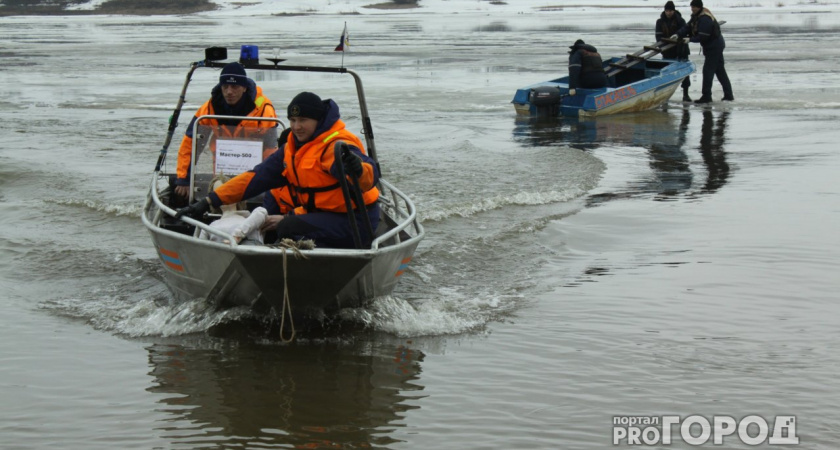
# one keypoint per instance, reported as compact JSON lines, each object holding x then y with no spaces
{"x":195,"y":211}
{"x":352,"y":164}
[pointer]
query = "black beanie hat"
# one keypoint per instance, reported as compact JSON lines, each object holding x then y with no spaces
{"x":234,"y":73}
{"x":307,"y":104}
{"x":670,"y":6}
{"x":578,"y":43}
{"x":697,"y":3}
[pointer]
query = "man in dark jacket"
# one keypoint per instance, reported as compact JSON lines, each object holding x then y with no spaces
{"x":704,"y":29}
{"x":669,"y":22}
{"x":586,"y":69}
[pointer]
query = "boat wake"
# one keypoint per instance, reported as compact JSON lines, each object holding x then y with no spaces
{"x":502,"y":201}
{"x":130,"y":300}
{"x":131,"y":210}
{"x":442,"y":297}
{"x":450,"y":312}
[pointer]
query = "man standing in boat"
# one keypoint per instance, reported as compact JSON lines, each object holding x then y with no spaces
{"x":669,"y":22}
{"x":235,"y":95}
{"x":704,"y":29}
{"x":307,"y":166}
{"x":586,"y":68}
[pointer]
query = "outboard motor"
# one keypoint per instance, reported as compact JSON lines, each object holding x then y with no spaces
{"x":546,"y":100}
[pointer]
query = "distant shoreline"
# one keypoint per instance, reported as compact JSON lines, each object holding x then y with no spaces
{"x":116,"y":7}
{"x":150,"y":8}
{"x":392,"y":5}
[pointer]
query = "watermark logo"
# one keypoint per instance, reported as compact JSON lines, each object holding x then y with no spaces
{"x":699,"y":430}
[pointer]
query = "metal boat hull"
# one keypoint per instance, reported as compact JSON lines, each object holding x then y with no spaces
{"x":228,"y":275}
{"x":256,"y":277}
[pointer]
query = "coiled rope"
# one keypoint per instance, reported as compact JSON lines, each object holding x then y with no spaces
{"x":295,"y":247}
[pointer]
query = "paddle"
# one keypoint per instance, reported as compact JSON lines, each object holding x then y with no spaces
{"x":340,"y":149}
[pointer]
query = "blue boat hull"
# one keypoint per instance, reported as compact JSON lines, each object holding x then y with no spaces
{"x":646,"y":85}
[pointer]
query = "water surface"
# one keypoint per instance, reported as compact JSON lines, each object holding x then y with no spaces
{"x":680,"y":261}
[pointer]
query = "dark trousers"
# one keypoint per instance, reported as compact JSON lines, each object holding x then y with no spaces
{"x":714,"y":67}
{"x":328,"y":229}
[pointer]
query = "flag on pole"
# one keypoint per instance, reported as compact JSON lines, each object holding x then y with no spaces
{"x":344,"y":43}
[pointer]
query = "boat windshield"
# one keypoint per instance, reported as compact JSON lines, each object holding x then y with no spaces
{"x":234,"y":145}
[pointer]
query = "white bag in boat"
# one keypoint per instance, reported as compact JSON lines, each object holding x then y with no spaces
{"x":239,"y":224}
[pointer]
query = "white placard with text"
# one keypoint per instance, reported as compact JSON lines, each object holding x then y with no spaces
{"x":234,"y":157}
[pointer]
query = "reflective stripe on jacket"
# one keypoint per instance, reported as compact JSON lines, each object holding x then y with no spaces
{"x":311,"y":184}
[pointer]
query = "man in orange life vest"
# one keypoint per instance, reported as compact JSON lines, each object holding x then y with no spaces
{"x":235,"y":95}
{"x":307,"y":166}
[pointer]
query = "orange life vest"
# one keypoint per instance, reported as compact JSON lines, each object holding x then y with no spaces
{"x":312,"y":186}
{"x":263,"y":108}
{"x":283,"y":198}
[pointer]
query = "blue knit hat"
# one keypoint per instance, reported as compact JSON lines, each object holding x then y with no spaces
{"x":234,"y":73}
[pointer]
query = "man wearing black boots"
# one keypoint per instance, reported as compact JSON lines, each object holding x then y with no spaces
{"x":704,"y":29}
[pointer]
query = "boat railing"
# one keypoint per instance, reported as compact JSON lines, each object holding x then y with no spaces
{"x":405,"y":214}
{"x":162,"y":208}
{"x":400,"y":206}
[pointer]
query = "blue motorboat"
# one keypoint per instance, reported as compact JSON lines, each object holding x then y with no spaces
{"x":635,"y":83}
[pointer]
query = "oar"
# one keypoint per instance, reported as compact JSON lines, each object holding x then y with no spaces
{"x":345,"y":190}
{"x":359,"y":198}
{"x":360,"y":204}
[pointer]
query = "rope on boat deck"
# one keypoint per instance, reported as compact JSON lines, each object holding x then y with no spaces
{"x":296,"y":247}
